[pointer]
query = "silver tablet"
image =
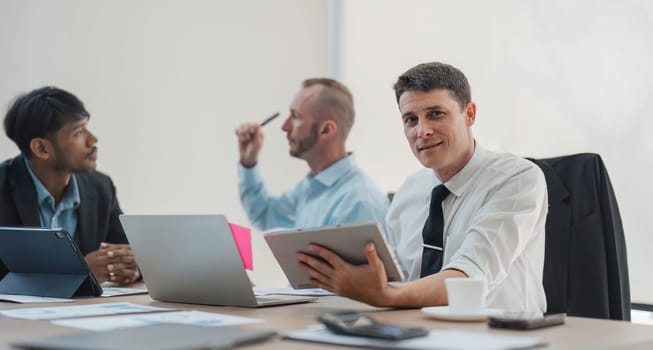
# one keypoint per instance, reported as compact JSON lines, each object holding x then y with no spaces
{"x":348,"y":241}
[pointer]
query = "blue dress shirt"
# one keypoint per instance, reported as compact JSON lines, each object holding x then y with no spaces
{"x":341,"y":194}
{"x":65,"y":214}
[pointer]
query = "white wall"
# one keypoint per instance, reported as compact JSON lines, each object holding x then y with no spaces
{"x":549,"y":78}
{"x":166,"y":83}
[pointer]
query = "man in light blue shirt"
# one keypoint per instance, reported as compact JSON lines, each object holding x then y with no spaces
{"x":335,"y":191}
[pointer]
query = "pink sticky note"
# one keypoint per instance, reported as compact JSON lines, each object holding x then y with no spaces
{"x":243,"y":240}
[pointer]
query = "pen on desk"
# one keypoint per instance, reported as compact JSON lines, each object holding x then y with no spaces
{"x":269,"y":119}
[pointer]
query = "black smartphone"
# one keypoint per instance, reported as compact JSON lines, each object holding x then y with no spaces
{"x":524,"y":322}
{"x":353,"y":323}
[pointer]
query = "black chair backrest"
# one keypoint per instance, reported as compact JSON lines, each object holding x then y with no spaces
{"x":585,"y":268}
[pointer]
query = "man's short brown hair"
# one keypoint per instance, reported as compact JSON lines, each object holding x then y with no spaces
{"x":335,"y":102}
{"x":435,"y":75}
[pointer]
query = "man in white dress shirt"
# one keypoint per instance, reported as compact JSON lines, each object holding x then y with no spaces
{"x":494,"y":210}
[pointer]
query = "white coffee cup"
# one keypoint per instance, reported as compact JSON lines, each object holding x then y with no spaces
{"x":466,"y":295}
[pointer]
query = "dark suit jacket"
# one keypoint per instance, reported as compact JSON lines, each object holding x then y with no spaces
{"x":97,"y":214}
{"x":585,"y":268}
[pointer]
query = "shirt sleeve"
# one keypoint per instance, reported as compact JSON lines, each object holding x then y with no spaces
{"x":503,"y":227}
{"x":264,"y":210}
{"x":360,"y":208}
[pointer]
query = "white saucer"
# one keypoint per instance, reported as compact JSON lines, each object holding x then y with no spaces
{"x":443,"y":313}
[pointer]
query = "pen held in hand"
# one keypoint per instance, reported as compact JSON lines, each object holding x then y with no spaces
{"x":269,"y":119}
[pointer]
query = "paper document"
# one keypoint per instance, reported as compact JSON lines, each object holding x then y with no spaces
{"x":106,"y":292}
{"x":437,"y":339}
{"x":116,"y":291}
{"x":309,"y":292}
{"x":32,"y":299}
{"x":52,"y":313}
{"x":198,"y":318}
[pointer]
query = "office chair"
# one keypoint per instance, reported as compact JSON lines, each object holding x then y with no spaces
{"x":585,"y":266}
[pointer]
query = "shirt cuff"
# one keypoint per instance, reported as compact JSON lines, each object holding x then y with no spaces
{"x":467,"y":267}
{"x":249,"y":175}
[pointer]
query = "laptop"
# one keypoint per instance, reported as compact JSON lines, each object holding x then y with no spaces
{"x":193,"y":259}
{"x":153,"y":337}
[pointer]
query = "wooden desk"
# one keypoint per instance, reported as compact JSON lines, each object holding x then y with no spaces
{"x":577,"y":333}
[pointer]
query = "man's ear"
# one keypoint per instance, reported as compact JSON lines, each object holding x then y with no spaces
{"x":41,"y":148}
{"x":329,"y":128}
{"x":470,"y":114}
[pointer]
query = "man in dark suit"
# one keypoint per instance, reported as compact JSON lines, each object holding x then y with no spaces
{"x":53,"y":182}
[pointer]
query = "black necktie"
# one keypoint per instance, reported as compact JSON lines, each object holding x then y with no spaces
{"x":433,"y":233}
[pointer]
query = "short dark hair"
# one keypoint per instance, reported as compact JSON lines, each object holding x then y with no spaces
{"x":41,"y":113}
{"x":334,"y":99}
{"x":435,"y":75}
